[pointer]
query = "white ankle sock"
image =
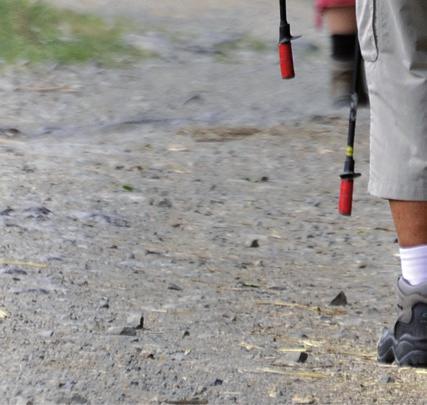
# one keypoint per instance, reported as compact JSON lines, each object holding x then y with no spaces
{"x":414,"y":264}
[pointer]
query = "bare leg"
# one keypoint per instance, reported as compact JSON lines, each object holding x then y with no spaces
{"x":410,"y":218}
{"x":341,"y":20}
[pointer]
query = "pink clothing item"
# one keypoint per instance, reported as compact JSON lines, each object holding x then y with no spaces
{"x":322,"y":5}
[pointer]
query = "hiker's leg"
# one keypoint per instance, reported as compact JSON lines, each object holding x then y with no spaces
{"x":410,"y":219}
{"x":393,"y":36}
{"x":340,"y":19}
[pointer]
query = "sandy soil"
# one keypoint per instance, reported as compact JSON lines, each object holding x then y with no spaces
{"x":170,"y":233}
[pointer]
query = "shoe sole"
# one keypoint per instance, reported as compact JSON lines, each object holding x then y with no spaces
{"x":406,"y":351}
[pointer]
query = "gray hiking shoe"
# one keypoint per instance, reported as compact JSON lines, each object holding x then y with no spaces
{"x":406,"y":343}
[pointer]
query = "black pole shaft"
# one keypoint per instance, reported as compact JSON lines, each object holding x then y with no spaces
{"x":357,"y":71}
{"x":285,"y":29}
{"x":354,"y":95}
{"x":283,"y":15}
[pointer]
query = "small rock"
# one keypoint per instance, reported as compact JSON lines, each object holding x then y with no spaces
{"x":151,"y":252}
{"x":165,"y":203}
{"x":10,"y":132}
{"x":83,"y":283}
{"x":200,"y":390}
{"x":196,"y":98}
{"x":36,"y":212}
{"x":295,"y":357}
{"x":67,"y":384}
{"x":278,"y":288}
{"x":387,"y":379}
{"x":104,"y":303}
{"x":339,"y":300}
{"x":117,"y":221}
{"x":147,"y":355}
{"x":32,"y":291}
{"x":15,"y":271}
{"x":28,"y":169}
{"x":217,"y":382}
{"x":75,"y":399}
{"x":78,"y":399}
{"x":7,"y":212}
{"x":135,"y":321}
{"x":122,"y":331}
{"x":46,"y":333}
{"x":54,"y":259}
{"x":174,"y":287}
{"x":243,"y":284}
{"x":185,"y":334}
{"x":254,"y":244}
{"x":302,"y":357}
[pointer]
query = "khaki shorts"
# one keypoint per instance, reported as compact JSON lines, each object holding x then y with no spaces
{"x":393,"y":39}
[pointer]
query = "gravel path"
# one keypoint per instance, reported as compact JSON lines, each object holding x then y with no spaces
{"x":170,"y":233}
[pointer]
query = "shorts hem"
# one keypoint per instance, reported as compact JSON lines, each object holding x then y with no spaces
{"x":397,"y":192}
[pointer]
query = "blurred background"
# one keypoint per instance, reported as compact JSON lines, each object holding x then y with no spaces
{"x":180,"y":61}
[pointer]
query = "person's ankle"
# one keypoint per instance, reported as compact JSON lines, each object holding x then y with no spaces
{"x":414,"y":264}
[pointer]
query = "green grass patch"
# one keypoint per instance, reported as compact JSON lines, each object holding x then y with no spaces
{"x":128,"y":187}
{"x":36,"y":32}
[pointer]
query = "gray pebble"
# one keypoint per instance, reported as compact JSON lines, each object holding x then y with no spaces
{"x":46,"y":333}
{"x":174,"y":287}
{"x":135,"y":320}
{"x":121,"y":331}
{"x":165,"y":203}
{"x":387,"y":379}
{"x":339,"y":300}
{"x":104,"y":303}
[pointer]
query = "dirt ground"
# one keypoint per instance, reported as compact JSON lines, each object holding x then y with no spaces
{"x":170,"y":233}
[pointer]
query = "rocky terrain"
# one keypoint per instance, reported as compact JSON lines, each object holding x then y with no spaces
{"x":170,"y":233}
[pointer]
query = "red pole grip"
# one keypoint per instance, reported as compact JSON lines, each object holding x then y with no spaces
{"x":346,"y":197}
{"x":286,"y":60}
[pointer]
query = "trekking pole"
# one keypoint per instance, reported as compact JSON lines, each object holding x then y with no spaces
{"x":285,"y":45}
{"x":347,"y":178}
